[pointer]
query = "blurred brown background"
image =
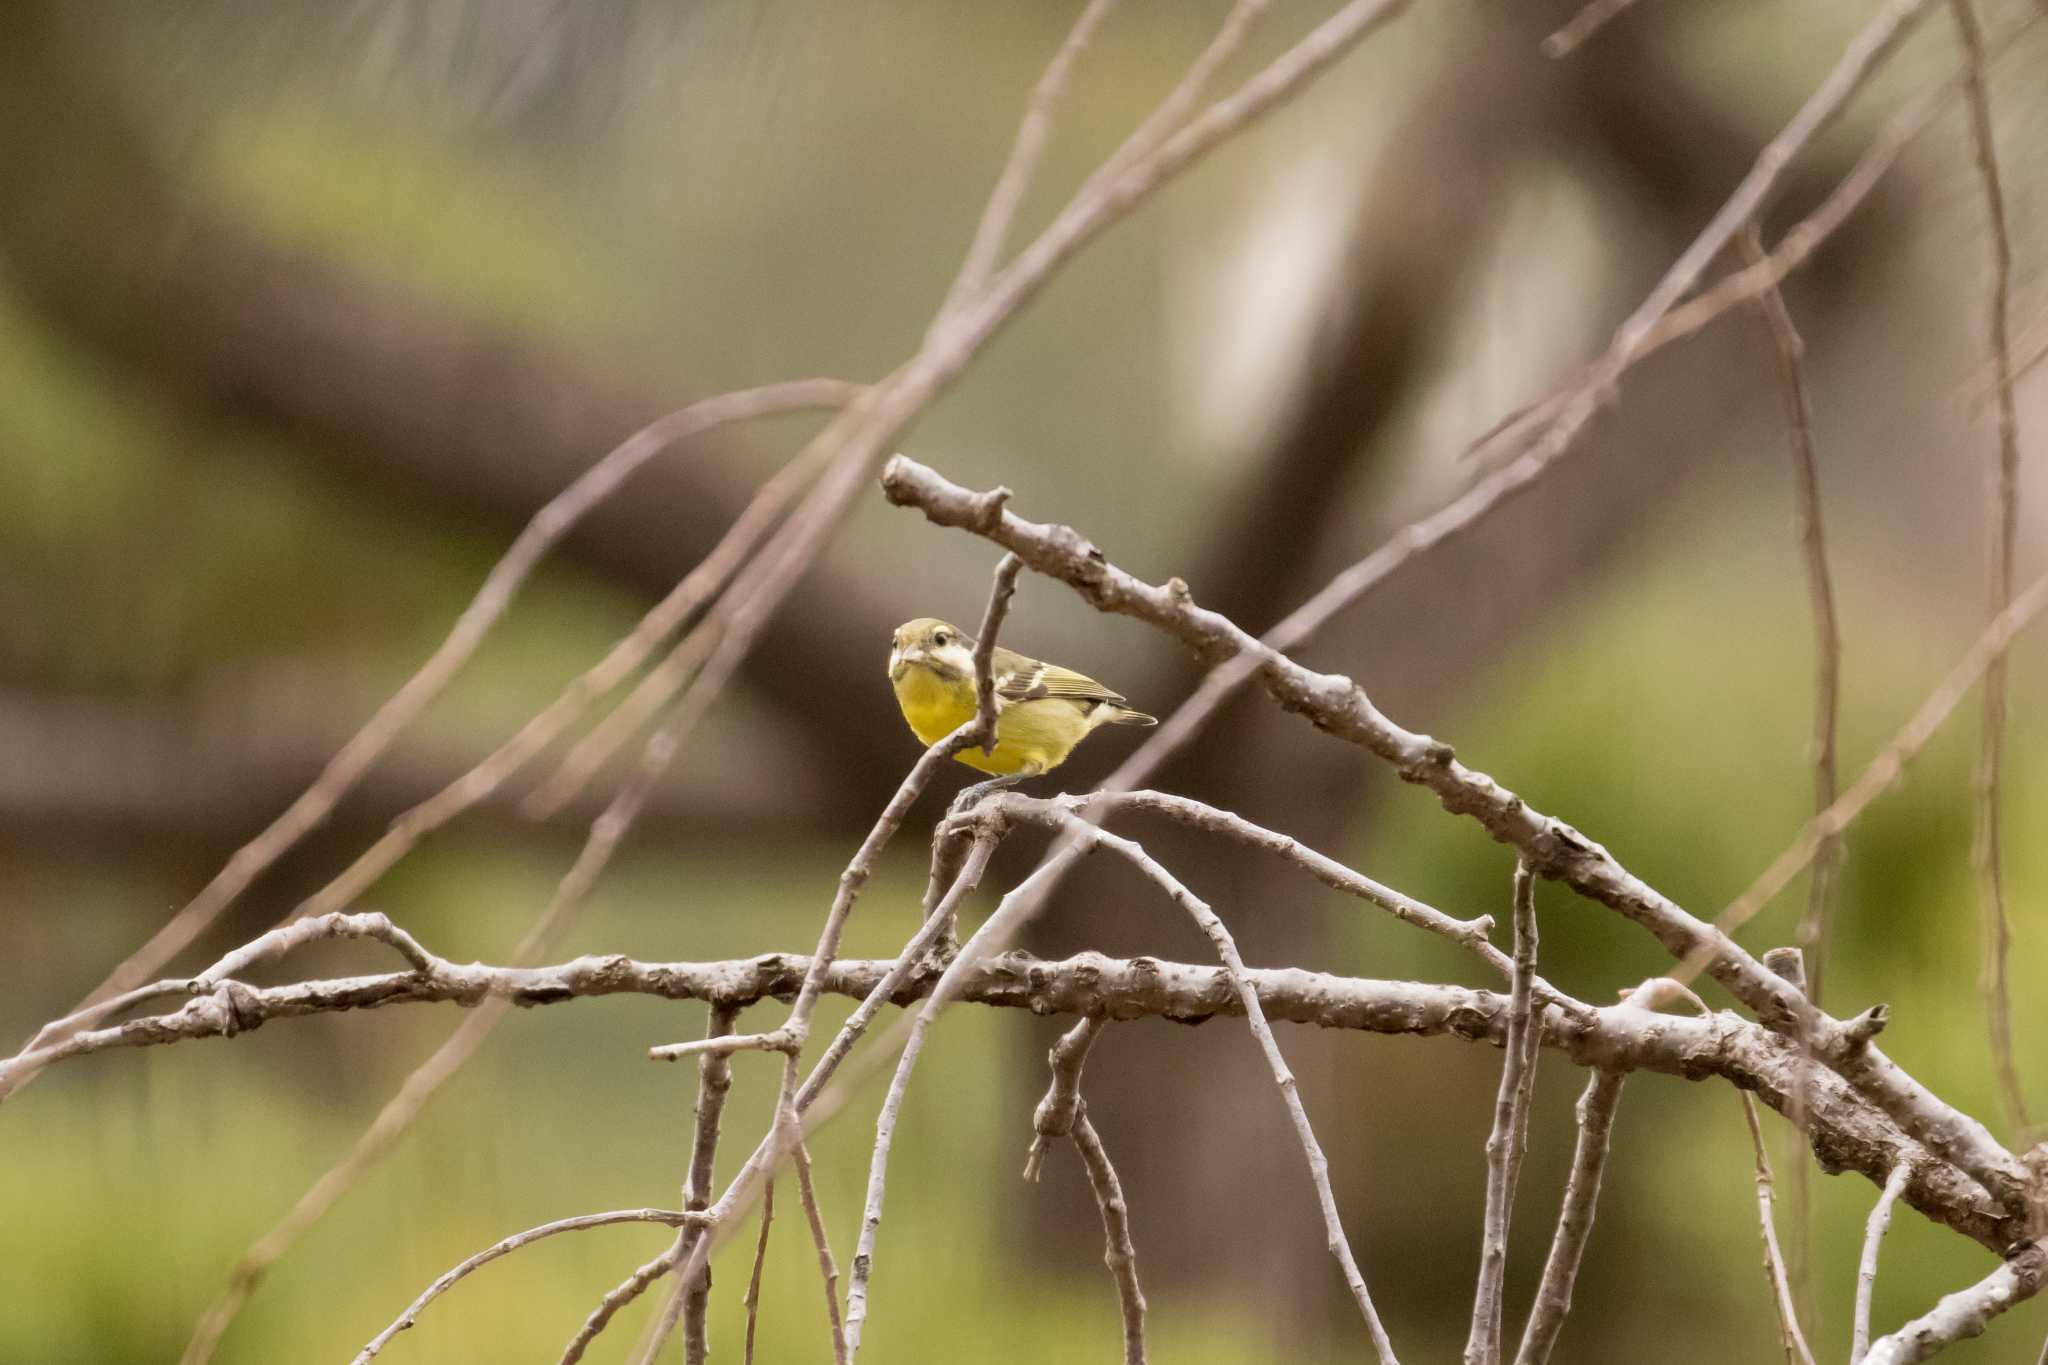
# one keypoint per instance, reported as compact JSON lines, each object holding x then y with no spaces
{"x":304,"y":308}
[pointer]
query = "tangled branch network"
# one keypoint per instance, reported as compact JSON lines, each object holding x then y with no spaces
{"x":1825,"y":1075}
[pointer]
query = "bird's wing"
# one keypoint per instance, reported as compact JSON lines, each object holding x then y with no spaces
{"x":1021,"y":678}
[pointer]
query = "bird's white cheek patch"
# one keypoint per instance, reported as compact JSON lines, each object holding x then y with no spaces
{"x":956,"y":657}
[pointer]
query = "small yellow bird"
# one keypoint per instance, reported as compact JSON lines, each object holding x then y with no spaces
{"x":1042,"y":710}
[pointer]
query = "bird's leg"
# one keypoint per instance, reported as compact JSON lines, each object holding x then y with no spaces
{"x":969,"y":796}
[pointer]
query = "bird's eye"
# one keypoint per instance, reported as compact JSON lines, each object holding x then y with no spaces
{"x":942,"y":638}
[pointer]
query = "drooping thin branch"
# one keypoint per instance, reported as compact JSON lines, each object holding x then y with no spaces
{"x":1796,"y":1350}
{"x":1121,"y":1255}
{"x":828,"y":1269}
{"x":1339,"y":706}
{"x":2003,"y":516}
{"x":1827,"y":636}
{"x":752,"y":1302}
{"x":1503,"y":1145}
{"x":503,"y":582}
{"x":667,"y":1217}
{"x":1064,"y":1114}
{"x":1816,"y":924}
{"x":1967,"y":1312}
{"x":1319,"y":1168}
{"x":1866,"y":1270}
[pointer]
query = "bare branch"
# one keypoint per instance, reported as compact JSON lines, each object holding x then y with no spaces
{"x":1866,"y":1270}
{"x":1510,"y":1119}
{"x":2004,"y":518}
{"x":1796,"y":1351}
{"x":1318,"y":1166}
{"x":1338,"y":706}
{"x":1967,"y":1312}
{"x":1845,"y":1131}
{"x":506,"y":1247}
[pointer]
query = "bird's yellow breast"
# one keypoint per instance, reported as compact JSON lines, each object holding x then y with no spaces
{"x":1031,"y":735}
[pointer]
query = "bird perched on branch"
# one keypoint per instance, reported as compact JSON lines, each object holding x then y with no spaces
{"x":1042,"y":710}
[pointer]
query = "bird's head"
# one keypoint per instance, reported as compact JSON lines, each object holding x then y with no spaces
{"x":930,"y":643}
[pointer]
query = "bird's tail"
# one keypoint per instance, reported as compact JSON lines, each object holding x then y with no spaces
{"x":1126,"y":716}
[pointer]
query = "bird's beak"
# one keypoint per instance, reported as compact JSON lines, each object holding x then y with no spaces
{"x":897,"y":664}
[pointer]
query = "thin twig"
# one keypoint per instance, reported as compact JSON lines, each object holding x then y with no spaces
{"x":752,"y":1302}
{"x":1815,"y":932}
{"x":827,"y":1268}
{"x":1827,"y":636}
{"x":1595,"y":1112}
{"x":1120,"y":1255}
{"x":548,"y":526}
{"x":1319,"y":1169}
{"x":1503,"y":1145}
{"x":2004,"y":519}
{"x":1866,"y":1269}
{"x":1796,"y":1351}
{"x":627,"y":1290}
{"x":714,"y":1081}
{"x":667,"y":1217}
